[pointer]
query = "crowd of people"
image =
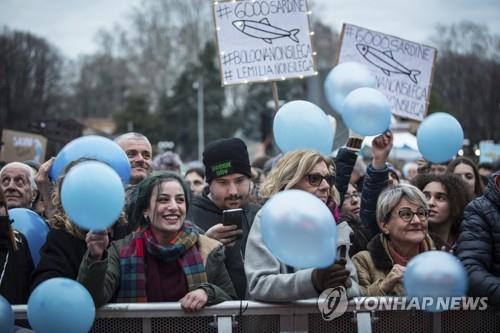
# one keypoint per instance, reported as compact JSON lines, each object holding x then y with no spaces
{"x":170,"y":243}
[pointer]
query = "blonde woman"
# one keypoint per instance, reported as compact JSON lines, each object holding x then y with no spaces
{"x":273,"y":281}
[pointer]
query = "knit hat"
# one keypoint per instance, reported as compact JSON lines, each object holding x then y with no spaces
{"x":224,"y":157}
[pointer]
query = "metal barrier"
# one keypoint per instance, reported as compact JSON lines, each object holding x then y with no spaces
{"x":301,"y":316}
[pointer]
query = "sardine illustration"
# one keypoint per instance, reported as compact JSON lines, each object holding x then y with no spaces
{"x":386,"y":62}
{"x":264,"y":30}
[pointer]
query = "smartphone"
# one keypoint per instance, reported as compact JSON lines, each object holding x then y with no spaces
{"x":233,"y":217}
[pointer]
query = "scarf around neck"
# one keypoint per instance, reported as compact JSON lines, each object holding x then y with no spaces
{"x":182,"y":249}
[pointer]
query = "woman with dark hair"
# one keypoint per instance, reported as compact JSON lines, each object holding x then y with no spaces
{"x":196,"y":180}
{"x":165,"y":261}
{"x":469,"y":173}
{"x":447,"y":197}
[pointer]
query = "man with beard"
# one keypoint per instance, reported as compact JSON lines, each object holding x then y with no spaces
{"x":18,"y":184}
{"x":228,"y":174}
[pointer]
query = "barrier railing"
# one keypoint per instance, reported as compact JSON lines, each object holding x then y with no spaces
{"x":301,"y":316}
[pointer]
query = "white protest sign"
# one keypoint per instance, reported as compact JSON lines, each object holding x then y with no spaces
{"x":263,"y":40}
{"x":403,"y":69}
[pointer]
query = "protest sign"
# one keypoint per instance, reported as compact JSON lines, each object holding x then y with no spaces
{"x":22,"y":146}
{"x":403,"y":69}
{"x":263,"y":40}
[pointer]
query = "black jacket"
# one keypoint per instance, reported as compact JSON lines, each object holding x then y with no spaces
{"x":205,"y":214}
{"x":478,"y":245}
{"x":15,"y":283}
{"x":373,"y":183}
{"x":60,"y":256}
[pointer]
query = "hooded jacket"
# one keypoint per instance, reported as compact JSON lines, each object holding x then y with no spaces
{"x":205,"y":214}
{"x":478,"y":245}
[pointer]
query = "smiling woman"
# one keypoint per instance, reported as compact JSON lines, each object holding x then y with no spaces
{"x":402,"y":215}
{"x":165,"y":261}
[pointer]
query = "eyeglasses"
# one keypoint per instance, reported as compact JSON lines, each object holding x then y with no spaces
{"x":407,"y":214}
{"x":350,"y":196}
{"x":315,"y":179}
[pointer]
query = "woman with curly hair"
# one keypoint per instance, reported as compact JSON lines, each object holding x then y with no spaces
{"x":447,"y":197}
{"x":65,"y":246}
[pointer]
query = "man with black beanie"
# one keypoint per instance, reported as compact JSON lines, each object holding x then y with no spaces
{"x":228,"y":172}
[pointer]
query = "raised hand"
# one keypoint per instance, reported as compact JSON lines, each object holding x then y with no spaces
{"x":381,"y":147}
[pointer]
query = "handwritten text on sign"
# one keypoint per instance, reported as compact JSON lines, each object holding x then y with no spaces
{"x":403,"y":69}
{"x":263,"y":40}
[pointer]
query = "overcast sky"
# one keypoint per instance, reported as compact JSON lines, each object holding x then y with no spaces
{"x":71,"y":25}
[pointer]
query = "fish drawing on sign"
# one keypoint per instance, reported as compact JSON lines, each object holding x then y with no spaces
{"x":264,"y":30}
{"x":386,"y":62}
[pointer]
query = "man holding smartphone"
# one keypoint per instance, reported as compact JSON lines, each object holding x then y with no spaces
{"x":223,"y":210}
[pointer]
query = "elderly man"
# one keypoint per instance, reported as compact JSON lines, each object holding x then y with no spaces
{"x":18,"y":184}
{"x":228,"y":173}
{"x":139,"y":153}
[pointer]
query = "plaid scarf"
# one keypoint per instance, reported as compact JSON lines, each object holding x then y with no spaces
{"x":183,"y":249}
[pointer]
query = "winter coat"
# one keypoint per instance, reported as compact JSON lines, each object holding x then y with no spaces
{"x":270,"y":280}
{"x":373,"y":184}
{"x":205,"y":214}
{"x":478,"y":245}
{"x":102,"y":278}
{"x":374,"y":265}
{"x":60,"y":256}
{"x":14,"y":286}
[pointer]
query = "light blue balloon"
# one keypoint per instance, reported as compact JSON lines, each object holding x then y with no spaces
{"x":439,"y":137}
{"x":299,"y":229}
{"x":367,"y":111}
{"x":345,"y":78}
{"x":6,"y":316}
{"x":92,"y":195}
{"x":33,"y":227}
{"x":94,"y":147}
{"x":435,"y":274}
{"x":60,"y":305}
{"x":302,"y":125}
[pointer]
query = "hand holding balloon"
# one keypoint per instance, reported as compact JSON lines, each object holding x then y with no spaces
{"x":97,"y":242}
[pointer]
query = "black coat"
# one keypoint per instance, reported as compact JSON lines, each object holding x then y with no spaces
{"x":60,"y":256}
{"x":205,"y":214}
{"x":15,"y":283}
{"x":478,"y":245}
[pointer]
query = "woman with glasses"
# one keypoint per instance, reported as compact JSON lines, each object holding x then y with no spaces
{"x":271,"y":280}
{"x":402,"y":213}
{"x":447,"y":197}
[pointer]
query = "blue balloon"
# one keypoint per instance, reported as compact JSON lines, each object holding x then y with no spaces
{"x":60,"y":305}
{"x":299,"y":229}
{"x":92,"y":195}
{"x":434,"y":275}
{"x":6,"y":316}
{"x":33,"y":227}
{"x":367,"y":111}
{"x":95,"y":147}
{"x":439,"y":137}
{"x":345,"y":78}
{"x":302,"y":125}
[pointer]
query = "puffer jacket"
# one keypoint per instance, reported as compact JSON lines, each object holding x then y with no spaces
{"x":478,"y":245}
